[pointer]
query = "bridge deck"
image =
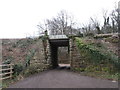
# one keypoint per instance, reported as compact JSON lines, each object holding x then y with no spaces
{"x":51,"y":37}
{"x":59,"y":40}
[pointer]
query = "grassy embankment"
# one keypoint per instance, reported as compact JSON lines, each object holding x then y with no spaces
{"x":98,"y":61}
{"x":22,"y":51}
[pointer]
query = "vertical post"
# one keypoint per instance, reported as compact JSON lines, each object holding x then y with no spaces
{"x":119,"y":41}
{"x":11,"y":71}
{"x":0,"y":64}
{"x":48,"y":52}
{"x":70,"y":52}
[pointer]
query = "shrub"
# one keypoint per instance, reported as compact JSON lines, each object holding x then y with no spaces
{"x":14,"y":45}
{"x":44,"y":38}
{"x":90,"y":34}
{"x":32,"y":69}
{"x":17,"y":68}
{"x":112,"y":39}
{"x":8,"y":60}
{"x":79,"y":69}
{"x":93,"y":55}
{"x":29,"y":57}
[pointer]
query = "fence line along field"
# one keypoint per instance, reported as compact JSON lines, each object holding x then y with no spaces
{"x":6,"y":71}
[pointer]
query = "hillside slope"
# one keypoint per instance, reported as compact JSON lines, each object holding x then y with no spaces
{"x":16,"y":50}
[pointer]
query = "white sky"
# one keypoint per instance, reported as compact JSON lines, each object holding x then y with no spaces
{"x":19,"y":18}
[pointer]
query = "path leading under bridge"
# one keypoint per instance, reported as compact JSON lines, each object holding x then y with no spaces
{"x":60,"y":78}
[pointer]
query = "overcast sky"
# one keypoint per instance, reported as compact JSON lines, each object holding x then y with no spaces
{"x":19,"y":18}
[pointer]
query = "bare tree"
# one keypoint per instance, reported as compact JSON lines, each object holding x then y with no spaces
{"x":96,"y":24}
{"x":115,"y":19}
{"x":61,"y":24}
{"x":42,"y":27}
{"x":105,"y":17}
{"x":119,"y":16}
{"x":107,"y":25}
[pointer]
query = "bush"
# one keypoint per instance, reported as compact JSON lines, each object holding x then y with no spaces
{"x":29,"y":57}
{"x":112,"y":39}
{"x":90,"y":34}
{"x":8,"y":60}
{"x":32,"y":69}
{"x":14,"y":45}
{"x":17,"y":68}
{"x":93,"y":55}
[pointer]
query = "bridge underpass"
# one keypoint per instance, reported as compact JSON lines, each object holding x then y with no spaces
{"x":62,"y":78}
{"x":57,"y":41}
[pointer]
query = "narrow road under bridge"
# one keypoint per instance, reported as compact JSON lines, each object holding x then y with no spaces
{"x":63,"y":79}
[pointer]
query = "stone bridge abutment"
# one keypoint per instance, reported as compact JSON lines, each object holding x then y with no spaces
{"x":53,"y":43}
{"x":46,"y":55}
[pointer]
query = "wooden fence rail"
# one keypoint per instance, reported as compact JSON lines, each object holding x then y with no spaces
{"x":6,"y":71}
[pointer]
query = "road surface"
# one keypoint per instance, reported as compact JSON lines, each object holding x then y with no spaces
{"x":63,"y":79}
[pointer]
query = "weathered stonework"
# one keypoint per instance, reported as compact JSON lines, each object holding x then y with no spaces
{"x":43,"y":54}
{"x":48,"y":54}
{"x":75,"y":57}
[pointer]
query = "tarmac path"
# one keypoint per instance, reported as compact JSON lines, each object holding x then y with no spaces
{"x":63,"y":79}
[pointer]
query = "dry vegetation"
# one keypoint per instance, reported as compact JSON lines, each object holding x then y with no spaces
{"x":16,"y":50}
{"x":100,"y":57}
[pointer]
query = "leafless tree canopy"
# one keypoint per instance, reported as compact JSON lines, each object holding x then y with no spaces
{"x":61,"y":24}
{"x":64,"y":23}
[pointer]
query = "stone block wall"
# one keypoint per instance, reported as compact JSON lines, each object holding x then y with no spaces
{"x":43,"y":58}
{"x":75,"y":57}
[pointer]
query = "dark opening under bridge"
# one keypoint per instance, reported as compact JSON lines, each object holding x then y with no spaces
{"x":51,"y":50}
{"x":55,"y":42}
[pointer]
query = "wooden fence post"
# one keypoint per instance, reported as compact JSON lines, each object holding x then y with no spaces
{"x":11,"y":71}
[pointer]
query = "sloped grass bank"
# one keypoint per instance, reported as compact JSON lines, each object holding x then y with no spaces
{"x":25,"y":68}
{"x":97,"y":60}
